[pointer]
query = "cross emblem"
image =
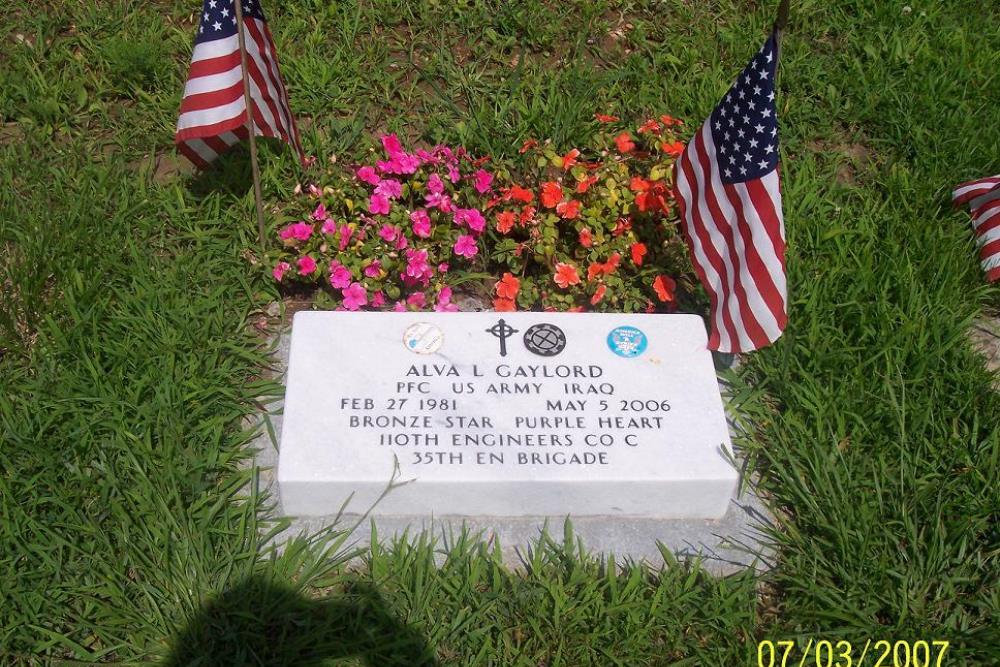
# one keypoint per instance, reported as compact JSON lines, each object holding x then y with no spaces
{"x":503,"y":331}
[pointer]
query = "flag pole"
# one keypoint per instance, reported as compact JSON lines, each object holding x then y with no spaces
{"x":779,"y":25}
{"x":258,"y":197}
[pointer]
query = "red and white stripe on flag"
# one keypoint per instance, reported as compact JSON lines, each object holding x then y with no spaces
{"x":727,"y":186}
{"x":213,"y":115}
{"x":966,"y":192}
{"x":983,"y":198}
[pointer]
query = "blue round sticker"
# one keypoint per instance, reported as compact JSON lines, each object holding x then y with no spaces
{"x":627,"y":342}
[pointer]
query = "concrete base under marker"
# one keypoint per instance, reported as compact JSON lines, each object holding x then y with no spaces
{"x":727,"y":545}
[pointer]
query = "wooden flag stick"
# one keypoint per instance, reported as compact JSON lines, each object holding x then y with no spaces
{"x":258,"y":197}
{"x":779,"y":23}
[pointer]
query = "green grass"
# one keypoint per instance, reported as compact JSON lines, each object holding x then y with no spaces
{"x":130,"y":358}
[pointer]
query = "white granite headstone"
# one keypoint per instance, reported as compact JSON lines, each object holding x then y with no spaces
{"x":504,"y":414}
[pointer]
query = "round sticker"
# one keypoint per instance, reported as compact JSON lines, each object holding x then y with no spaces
{"x":627,"y":342}
{"x":546,"y":340}
{"x":423,"y":338}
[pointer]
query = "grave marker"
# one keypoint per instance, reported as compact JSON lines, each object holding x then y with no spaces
{"x":504,"y":414}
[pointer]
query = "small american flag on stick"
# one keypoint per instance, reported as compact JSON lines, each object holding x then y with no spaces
{"x":213,"y":114}
{"x":983,"y":198}
{"x":727,"y":187}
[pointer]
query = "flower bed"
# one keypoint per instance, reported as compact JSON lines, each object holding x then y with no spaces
{"x":582,"y":230}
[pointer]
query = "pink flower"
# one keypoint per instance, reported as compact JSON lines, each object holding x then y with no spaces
{"x":400,"y":307}
{"x":329,"y":226}
{"x":368,"y":175}
{"x":345,"y":236}
{"x":482,"y":181}
{"x":320,"y":213}
{"x":465,"y":246}
{"x":355,"y":296}
{"x":399,"y":163}
{"x":378,"y":204}
{"x":280,"y":269}
{"x":421,"y":223}
{"x":417,"y":270}
{"x":470,"y":217}
{"x":417,"y":300}
{"x":378,"y":299}
{"x":453,"y":173}
{"x":435,"y":185}
{"x":388,"y":233}
{"x":306,"y":265}
{"x":439,"y":201}
{"x":443,"y":267}
{"x":340,"y":275}
{"x":444,"y":304}
{"x":390,"y":142}
{"x":401,"y":242}
{"x":406,"y":163}
{"x":299,"y":230}
{"x":373,"y":269}
{"x":390,"y":188}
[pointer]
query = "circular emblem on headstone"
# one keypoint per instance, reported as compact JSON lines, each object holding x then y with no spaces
{"x":546,"y":340}
{"x":627,"y":341}
{"x":423,"y":338}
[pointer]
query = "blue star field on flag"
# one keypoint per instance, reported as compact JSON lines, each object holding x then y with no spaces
{"x":745,"y":123}
{"x":218,"y":18}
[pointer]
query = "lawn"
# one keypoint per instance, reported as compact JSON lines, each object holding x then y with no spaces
{"x":130,"y":356}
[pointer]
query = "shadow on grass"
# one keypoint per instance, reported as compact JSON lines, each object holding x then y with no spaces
{"x":229,"y":174}
{"x":260,"y":622}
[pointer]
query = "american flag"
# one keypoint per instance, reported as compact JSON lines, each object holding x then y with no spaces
{"x":727,"y":186}
{"x":213,"y":114}
{"x":983,"y":198}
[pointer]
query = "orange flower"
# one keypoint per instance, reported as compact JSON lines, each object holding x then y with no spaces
{"x":670,"y":121}
{"x":598,"y":294}
{"x":673,"y":148}
{"x":655,"y":199}
{"x":624,"y":142}
{"x":527,"y":214}
{"x":585,"y":184}
{"x":505,"y":221}
{"x":508,"y":286}
{"x":566,"y":275}
{"x":623,"y":225}
{"x":528,"y":145}
{"x":568,"y":210}
{"x":612,"y":263}
{"x":645,"y":201}
{"x":649,"y":126}
{"x":570,"y":159}
{"x":638,"y":184}
{"x":504,"y":305}
{"x":598,"y":269}
{"x":586,"y":238}
{"x":664,"y":287}
{"x":551,"y":194}
{"x":517,"y":193}
{"x":638,"y":252}
{"x":604,"y":118}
